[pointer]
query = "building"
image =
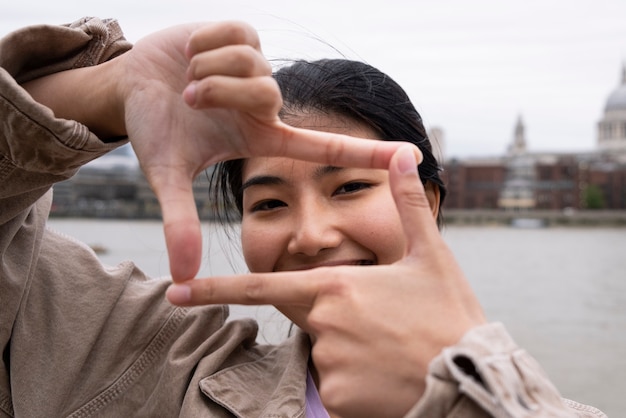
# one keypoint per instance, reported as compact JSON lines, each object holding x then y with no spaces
{"x":522,"y":180}
{"x":104,"y":187}
{"x":474,"y":183}
{"x":612,"y":127}
{"x":113,"y":186}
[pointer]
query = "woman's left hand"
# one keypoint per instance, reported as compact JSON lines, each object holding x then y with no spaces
{"x":202,"y":93}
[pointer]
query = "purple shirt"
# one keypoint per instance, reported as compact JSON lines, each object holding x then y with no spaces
{"x":314,"y":407}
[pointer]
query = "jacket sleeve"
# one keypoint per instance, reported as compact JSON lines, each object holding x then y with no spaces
{"x":37,"y":150}
{"x":487,"y":375}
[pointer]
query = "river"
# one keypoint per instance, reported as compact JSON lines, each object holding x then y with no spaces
{"x":561,"y":292}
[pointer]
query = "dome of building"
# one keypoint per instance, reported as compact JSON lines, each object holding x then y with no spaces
{"x":617,"y":99}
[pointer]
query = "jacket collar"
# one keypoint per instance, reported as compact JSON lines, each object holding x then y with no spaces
{"x":272,"y":386}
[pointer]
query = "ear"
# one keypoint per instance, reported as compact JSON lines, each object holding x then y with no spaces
{"x":433,"y":195}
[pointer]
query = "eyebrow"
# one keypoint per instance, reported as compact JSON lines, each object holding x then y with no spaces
{"x":265,"y":180}
{"x":324,"y":170}
{"x":262,"y":181}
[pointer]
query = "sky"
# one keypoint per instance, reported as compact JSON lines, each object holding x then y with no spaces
{"x":472,"y":68}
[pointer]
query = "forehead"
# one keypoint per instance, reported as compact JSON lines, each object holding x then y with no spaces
{"x":334,"y":123}
{"x":314,"y":121}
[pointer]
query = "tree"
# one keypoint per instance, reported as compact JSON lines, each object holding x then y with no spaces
{"x":593,"y":198}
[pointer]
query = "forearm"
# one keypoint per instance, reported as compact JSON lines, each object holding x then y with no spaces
{"x":88,"y":95}
{"x":70,"y":69}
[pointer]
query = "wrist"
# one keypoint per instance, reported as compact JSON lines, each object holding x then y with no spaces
{"x":106,"y":118}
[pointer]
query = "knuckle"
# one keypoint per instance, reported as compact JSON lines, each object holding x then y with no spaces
{"x":266,"y":67}
{"x":253,"y":290}
{"x":338,"y":282}
{"x":331,"y":392}
{"x":265,"y":92}
{"x":417,"y":199}
{"x":335,"y":149}
{"x":323,"y":355}
{"x":244,"y":59}
{"x":317,"y":321}
{"x":195,"y":40}
{"x":207,"y":291}
{"x":205,"y":90}
{"x":193,"y":67}
{"x":412,"y":195}
{"x":240,"y":33}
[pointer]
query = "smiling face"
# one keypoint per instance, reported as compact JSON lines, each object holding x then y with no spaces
{"x":300,"y":215}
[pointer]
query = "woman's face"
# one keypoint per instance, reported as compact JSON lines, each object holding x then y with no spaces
{"x":300,"y":215}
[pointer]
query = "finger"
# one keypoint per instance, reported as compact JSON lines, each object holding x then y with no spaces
{"x":259,"y":96}
{"x":287,"y":288}
{"x":232,"y":60}
{"x":181,"y":226}
{"x":413,"y":206}
{"x":217,"y":35}
{"x":334,"y":149}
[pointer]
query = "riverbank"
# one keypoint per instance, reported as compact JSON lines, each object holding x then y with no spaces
{"x":119,"y":209}
{"x":529,"y":219}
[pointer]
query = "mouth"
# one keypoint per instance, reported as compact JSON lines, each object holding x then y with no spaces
{"x":363,"y":262}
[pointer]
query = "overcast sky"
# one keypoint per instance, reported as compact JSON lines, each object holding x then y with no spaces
{"x":470,"y":67}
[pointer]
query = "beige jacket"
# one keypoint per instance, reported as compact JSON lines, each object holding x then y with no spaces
{"x":80,"y":339}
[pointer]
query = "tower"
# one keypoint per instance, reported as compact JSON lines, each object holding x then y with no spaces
{"x":518,"y":190}
{"x":519,"y":138}
{"x":612,"y":127}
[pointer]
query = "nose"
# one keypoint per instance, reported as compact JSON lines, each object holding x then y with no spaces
{"x":315,"y":229}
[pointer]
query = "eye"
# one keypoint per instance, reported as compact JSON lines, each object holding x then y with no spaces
{"x":266,"y":205}
{"x":352,"y":187}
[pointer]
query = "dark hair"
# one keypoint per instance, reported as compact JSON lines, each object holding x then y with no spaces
{"x":346,"y":88}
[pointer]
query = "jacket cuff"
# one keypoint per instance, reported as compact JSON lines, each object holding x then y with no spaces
{"x":487,"y":374}
{"x":40,"y":50}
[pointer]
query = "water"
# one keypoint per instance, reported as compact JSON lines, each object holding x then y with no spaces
{"x":560,"y":292}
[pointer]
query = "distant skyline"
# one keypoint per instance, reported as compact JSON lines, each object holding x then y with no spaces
{"x":471,"y":68}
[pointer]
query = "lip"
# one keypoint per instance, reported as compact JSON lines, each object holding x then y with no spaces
{"x":335,"y":263}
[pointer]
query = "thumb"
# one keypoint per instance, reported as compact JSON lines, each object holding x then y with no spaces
{"x":181,"y":226}
{"x":411,"y":201}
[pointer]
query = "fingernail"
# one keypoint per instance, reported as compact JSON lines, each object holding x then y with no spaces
{"x":406,"y":161}
{"x":178,"y":294}
{"x":189,"y":94}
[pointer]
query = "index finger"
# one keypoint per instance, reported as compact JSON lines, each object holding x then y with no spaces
{"x":333,"y":149}
{"x":285,"y":288}
{"x":181,"y":224}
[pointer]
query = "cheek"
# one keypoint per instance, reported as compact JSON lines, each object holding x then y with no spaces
{"x":260,"y":246}
{"x":380,"y":229}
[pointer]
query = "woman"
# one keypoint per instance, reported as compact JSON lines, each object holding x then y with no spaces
{"x":83,"y":339}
